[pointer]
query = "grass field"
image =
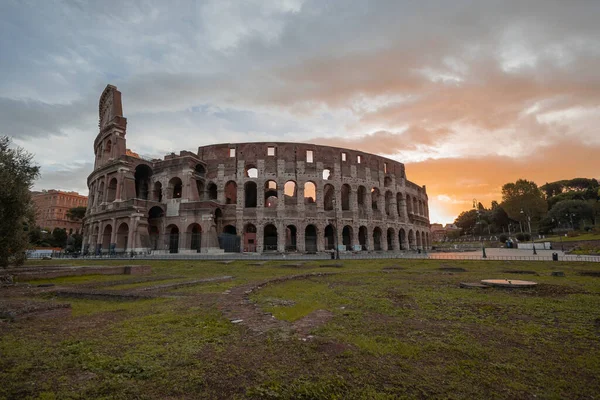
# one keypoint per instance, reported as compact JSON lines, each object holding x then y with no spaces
{"x":402,"y":332}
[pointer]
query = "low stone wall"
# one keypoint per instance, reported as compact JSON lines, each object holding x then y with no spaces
{"x":44,"y":273}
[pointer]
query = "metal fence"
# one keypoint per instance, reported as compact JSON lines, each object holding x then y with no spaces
{"x":362,"y":255}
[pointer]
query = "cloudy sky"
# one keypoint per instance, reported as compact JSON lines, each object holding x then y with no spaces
{"x":469,"y":94}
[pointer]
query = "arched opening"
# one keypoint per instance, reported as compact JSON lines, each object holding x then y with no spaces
{"x":345,"y":197}
{"x":251,"y":171}
{"x":106,"y":235}
{"x":411,"y":239}
{"x":310,"y":193}
{"x":157,"y":192}
{"x":250,"y":195}
{"x":175,"y":188}
{"x":250,"y":238}
{"x":387,"y":181}
{"x":200,"y":189}
{"x":271,"y":194}
{"x":173,"y":238}
{"x":390,"y":239}
{"x":122,"y":236}
{"x":362,"y":237}
{"x":142,"y":181}
{"x":329,"y":237}
{"x":112,"y":190}
{"x":212,"y":191}
{"x":401,"y":239}
{"x":194,"y":231}
{"x":155,"y":212}
{"x":361,"y":195}
{"x":310,"y":239}
{"x":327,"y":174}
{"x":328,"y":197}
{"x":375,"y":199}
{"x":230,"y":192}
{"x":270,"y":238}
{"x":290,"y":238}
{"x":376,"y":239}
{"x":347,"y":237}
{"x":200,"y":170}
{"x":290,"y":193}
{"x":399,"y":203}
{"x":153,"y":234}
{"x":388,"y":203}
{"x":230,"y":230}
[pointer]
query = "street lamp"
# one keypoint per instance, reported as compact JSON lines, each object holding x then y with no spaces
{"x":530,"y":234}
{"x":483,"y":255}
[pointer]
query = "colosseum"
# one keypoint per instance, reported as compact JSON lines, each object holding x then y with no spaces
{"x":247,"y":197}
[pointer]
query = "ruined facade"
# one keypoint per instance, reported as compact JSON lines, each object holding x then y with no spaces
{"x":249,"y":197}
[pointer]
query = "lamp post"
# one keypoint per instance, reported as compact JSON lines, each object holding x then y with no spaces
{"x":530,"y":234}
{"x":483,"y":255}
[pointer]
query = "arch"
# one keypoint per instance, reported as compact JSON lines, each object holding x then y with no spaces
{"x":290,"y":238}
{"x":251,"y":171}
{"x":347,"y":234}
{"x":122,"y":237}
{"x":200,"y":170}
{"x":399,"y":203}
{"x":411,"y":240}
{"x":327,"y":174}
{"x":401,"y":238}
{"x":290,"y":193}
{"x":173,"y":232}
{"x":390,"y":239}
{"x":250,"y":194}
{"x":175,"y":188}
{"x":106,"y":237}
{"x":328,"y":197}
{"x":212,"y":191}
{"x":111,"y":191}
{"x":230,"y":191}
{"x":250,"y":238}
{"x":361,"y":196}
{"x":230,"y":230}
{"x":200,"y":189}
{"x":271,"y":194}
{"x":310,"y":239}
{"x":415,"y":206}
{"x":157,"y":192}
{"x":362,"y":237}
{"x":310,"y":192}
{"x":345,"y":192}
{"x":377,"y":238}
{"x":153,"y":234}
{"x":156,"y":212}
{"x":375,"y":194}
{"x":388,"y":203}
{"x":270,"y":238}
{"x":387,"y":181}
{"x":142,"y":181}
{"x":329,"y":235}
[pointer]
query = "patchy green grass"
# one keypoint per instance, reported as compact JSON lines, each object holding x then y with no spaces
{"x":410,"y":333}
{"x":583,"y":236}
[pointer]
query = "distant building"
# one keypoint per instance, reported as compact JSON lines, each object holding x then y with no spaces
{"x":52,"y":206}
{"x":440,"y":232}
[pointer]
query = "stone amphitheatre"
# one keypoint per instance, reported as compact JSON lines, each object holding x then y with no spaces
{"x":247,"y":197}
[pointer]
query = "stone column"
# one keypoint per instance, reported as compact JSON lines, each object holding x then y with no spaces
{"x":320,"y":237}
{"x":370,"y":242}
{"x":281,"y":237}
{"x":395,"y":242}
{"x":113,"y":235}
{"x":384,"y":243}
{"x":300,"y":193}
{"x":260,"y":233}
{"x":340,"y":236}
{"x":132,"y":234}
{"x":300,"y":238}
{"x":119,"y":185}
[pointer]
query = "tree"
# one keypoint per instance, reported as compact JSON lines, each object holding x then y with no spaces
{"x":76,"y":213}
{"x":59,"y":237}
{"x":572,"y":212}
{"x":17,"y":173}
{"x":523,"y":195}
{"x":467,"y":221}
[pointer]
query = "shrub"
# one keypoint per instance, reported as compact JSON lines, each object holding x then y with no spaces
{"x":520,"y":237}
{"x":572,"y":234}
{"x":527,"y":237}
{"x":503,"y":238}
